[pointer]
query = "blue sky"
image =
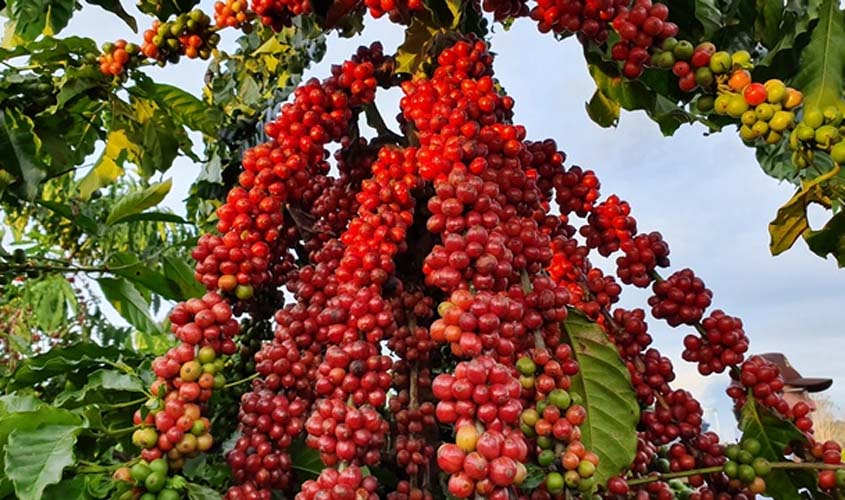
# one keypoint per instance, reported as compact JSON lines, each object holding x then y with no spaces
{"x":706,"y":195}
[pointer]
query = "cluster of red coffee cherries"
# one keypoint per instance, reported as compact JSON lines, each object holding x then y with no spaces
{"x":172,"y":426}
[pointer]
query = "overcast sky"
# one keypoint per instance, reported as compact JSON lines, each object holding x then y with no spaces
{"x":706,"y":195}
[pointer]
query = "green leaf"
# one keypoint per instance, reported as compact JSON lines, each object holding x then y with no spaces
{"x":534,"y":478}
{"x":823,"y":60}
{"x":100,"y":387}
{"x":774,"y":435}
{"x":709,"y":15}
{"x":306,"y":460}
{"x":141,"y":273}
{"x":413,"y":52}
{"x":36,"y":458}
{"x":829,"y":240}
{"x":183,"y":107}
{"x":200,"y":492}
{"x":29,"y":417}
{"x":69,"y":489}
{"x":32,"y":18}
{"x":136,"y":202}
{"x":19,"y":152}
{"x":116,"y":8}
{"x":767,"y":23}
{"x":182,"y":275}
{"x":604,"y":384}
{"x":603,"y":111}
{"x":62,"y":360}
{"x":155,"y":217}
{"x":109,"y":167}
{"x":124,"y":297}
{"x":163,"y":9}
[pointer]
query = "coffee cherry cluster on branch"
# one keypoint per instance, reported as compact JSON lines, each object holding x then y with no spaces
{"x":117,"y":56}
{"x":189,"y":34}
{"x":173,"y":427}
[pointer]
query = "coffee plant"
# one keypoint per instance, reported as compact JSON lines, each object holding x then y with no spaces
{"x":417,"y":314}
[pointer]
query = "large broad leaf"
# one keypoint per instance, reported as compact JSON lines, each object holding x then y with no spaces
{"x":115,"y":7}
{"x":604,"y":384}
{"x":138,"y":201}
{"x":791,"y":219}
{"x":119,"y":148}
{"x":30,"y":415}
{"x":32,"y":18}
{"x":101,"y":387}
{"x":35,"y":458}
{"x":19,"y":152}
{"x":61,"y":360}
{"x":823,"y":60}
{"x":781,"y":61}
{"x":413,"y":52}
{"x":75,"y":488}
{"x":126,"y":299}
{"x":183,"y":107}
{"x":829,"y":240}
{"x":775,"y":434}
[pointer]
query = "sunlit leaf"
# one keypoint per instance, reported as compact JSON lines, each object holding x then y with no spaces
{"x":138,"y":201}
{"x":110,"y":165}
{"x":124,"y":297}
{"x":35,"y":458}
{"x":605,"y":387}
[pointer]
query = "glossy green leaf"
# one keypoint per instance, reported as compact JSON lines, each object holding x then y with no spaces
{"x":782,"y":60}
{"x":707,"y":13}
{"x":35,"y":458}
{"x":138,"y":201}
{"x":603,"y":111}
{"x":19,"y":152}
{"x":823,"y":60}
{"x":182,"y":276}
{"x":62,"y":360}
{"x":124,"y":297}
{"x":155,"y":217}
{"x":117,"y":9}
{"x":604,"y":384}
{"x":38,"y":415}
{"x":75,"y":488}
{"x":767,"y":25}
{"x":101,"y":387}
{"x":829,"y":240}
{"x":774,"y":435}
{"x":32,"y":18}
{"x":183,"y":107}
{"x":306,"y":460}
{"x":142,"y":274}
{"x":413,"y":52}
